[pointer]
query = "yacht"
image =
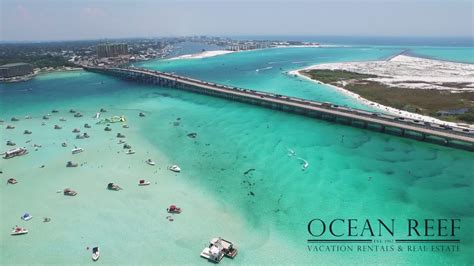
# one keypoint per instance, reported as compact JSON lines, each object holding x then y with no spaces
{"x":175,"y":168}
{"x":226,"y":246}
{"x":12,"y":181}
{"x":15,"y":152}
{"x":213,"y":254}
{"x":150,"y":162}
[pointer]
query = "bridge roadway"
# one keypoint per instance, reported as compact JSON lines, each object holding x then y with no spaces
{"x":298,"y":105}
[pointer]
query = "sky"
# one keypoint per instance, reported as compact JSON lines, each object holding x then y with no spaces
{"x":41,"y":20}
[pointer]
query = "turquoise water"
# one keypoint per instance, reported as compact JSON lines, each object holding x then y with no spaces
{"x":352,"y":173}
{"x":456,"y":54}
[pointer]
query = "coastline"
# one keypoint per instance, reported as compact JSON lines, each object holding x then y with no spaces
{"x":201,"y":55}
{"x":378,"y":106}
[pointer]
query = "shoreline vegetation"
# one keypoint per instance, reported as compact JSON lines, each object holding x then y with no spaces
{"x":400,"y":86}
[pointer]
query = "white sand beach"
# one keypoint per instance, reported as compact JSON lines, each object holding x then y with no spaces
{"x":203,"y":54}
{"x":412,"y":72}
{"x":404,"y":71}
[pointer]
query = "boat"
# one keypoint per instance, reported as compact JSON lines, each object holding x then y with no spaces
{"x":57,"y":127}
{"x":141,"y":114}
{"x":77,"y":115}
{"x":26,"y":217}
{"x":175,"y":168}
{"x":112,"y":186}
{"x":62,"y":119}
{"x":15,"y":152}
{"x":97,"y":115}
{"x":304,"y":164}
{"x":10,"y":143}
{"x":27,"y":132}
{"x":69,"y":192}
{"x":143,"y":182}
{"x":130,"y":152}
{"x":226,"y":246}
{"x":95,"y":253}
{"x":64,"y":144}
{"x":12,"y":181}
{"x":173,"y":209}
{"x":76,"y":130}
{"x":19,"y":231}
{"x":10,"y":127}
{"x":77,"y":150}
{"x":213,"y":254}
{"x":150,"y":162}
{"x":87,"y":125}
{"x":71,"y":164}
{"x":120,"y":135}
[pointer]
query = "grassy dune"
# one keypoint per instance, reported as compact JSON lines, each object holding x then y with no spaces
{"x":421,"y":101}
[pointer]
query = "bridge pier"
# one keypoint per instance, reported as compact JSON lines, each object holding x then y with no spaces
{"x":356,"y":118}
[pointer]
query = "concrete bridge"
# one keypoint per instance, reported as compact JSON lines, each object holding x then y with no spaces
{"x":403,"y":127}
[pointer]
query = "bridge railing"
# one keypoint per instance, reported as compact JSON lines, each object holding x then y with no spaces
{"x":327,"y":106}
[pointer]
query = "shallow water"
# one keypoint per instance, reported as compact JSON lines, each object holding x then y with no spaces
{"x":352,"y":173}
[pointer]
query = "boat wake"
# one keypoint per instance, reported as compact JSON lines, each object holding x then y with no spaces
{"x":291,"y":152}
{"x":265,"y":68}
{"x":305,"y":163}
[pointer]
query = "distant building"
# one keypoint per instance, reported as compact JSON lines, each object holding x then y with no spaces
{"x":112,"y":49}
{"x":15,"y":69}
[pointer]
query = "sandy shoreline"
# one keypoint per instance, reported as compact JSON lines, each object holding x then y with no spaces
{"x":378,"y":106}
{"x":202,"y":54}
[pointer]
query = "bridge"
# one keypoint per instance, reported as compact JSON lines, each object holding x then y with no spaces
{"x":430,"y":132}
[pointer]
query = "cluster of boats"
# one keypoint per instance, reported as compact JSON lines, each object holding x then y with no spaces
{"x":217,"y":249}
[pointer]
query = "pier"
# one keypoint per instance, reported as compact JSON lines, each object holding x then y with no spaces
{"x":429,"y":132}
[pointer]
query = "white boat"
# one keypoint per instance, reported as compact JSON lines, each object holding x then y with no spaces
{"x":95,"y":253}
{"x":226,"y":246}
{"x":130,"y":152}
{"x":212,"y":253}
{"x":26,"y":217}
{"x":77,"y":150}
{"x":143,"y":182}
{"x":19,"y":231}
{"x":150,"y":162}
{"x":97,"y":115}
{"x":175,"y":168}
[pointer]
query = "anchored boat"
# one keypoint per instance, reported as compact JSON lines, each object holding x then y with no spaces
{"x":143,"y":182}
{"x":175,"y":168}
{"x":19,"y":231}
{"x":15,"y":152}
{"x":77,"y":150}
{"x":95,"y":253}
{"x":26,"y":217}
